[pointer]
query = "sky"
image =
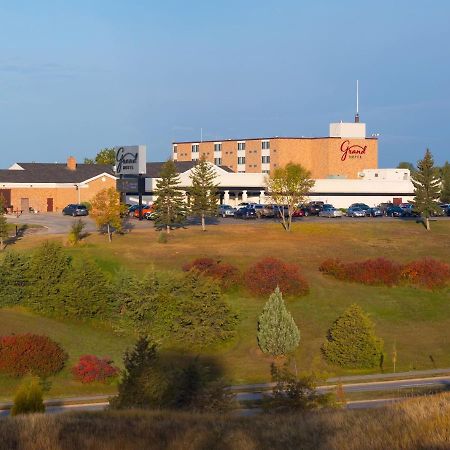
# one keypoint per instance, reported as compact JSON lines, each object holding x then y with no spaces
{"x":77,"y":76}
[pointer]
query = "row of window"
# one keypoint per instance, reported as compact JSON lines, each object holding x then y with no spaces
{"x":195,"y":148}
{"x":241,"y":160}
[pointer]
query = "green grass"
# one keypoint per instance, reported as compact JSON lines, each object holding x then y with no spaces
{"x":415,"y":320}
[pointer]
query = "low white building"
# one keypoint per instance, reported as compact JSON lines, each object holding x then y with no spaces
{"x":374,"y":186}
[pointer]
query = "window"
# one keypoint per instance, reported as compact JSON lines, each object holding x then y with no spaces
{"x":218,"y":161}
{"x":265,"y":145}
{"x":241,"y":171}
{"x":266,"y":171}
{"x":241,"y":145}
{"x":218,"y":147}
{"x":195,"y":148}
{"x":241,"y":160}
{"x":265,"y":159}
{"x":175,"y":148}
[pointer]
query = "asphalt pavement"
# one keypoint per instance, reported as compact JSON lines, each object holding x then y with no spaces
{"x":56,"y":223}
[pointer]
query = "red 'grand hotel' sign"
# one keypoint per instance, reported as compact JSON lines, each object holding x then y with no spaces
{"x":352,"y":151}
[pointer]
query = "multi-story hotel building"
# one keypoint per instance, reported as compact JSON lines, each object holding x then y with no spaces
{"x":343,"y":154}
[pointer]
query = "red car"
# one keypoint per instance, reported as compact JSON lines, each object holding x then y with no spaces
{"x":300,"y":212}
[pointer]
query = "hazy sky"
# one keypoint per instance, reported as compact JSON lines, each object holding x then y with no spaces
{"x":81,"y":75}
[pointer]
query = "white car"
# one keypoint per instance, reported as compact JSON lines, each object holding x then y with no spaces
{"x":330,"y":212}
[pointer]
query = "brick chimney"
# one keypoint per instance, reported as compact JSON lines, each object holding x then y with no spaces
{"x":71,"y":163}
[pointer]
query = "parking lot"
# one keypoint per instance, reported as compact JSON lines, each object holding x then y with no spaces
{"x":56,"y":223}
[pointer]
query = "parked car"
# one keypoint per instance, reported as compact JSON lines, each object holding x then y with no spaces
{"x":330,"y":211}
{"x":384,"y":206}
{"x":356,"y":211}
{"x":245,"y":212}
{"x":300,"y":212}
{"x":375,"y":212}
{"x":226,"y":211}
{"x":408,"y":210}
{"x":314,"y":208}
{"x":395,"y":211}
{"x":145,"y":209}
{"x":281,"y":210}
{"x":75,"y":210}
{"x":446,"y":208}
{"x":258,"y":209}
{"x":268,"y":211}
{"x":150,"y":215}
{"x":362,"y":206}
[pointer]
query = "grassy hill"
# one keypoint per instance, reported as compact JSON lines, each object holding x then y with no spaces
{"x":413,"y":424}
{"x":416,"y":320}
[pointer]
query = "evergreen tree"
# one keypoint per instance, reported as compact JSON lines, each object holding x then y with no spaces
{"x":352,"y":342}
{"x":277,"y":332}
{"x":86,"y":293}
{"x":4,"y":234}
{"x":203,"y":193}
{"x":445,"y":176}
{"x":426,"y":188}
{"x":145,"y":382}
{"x":170,"y":207}
{"x":49,"y":266}
{"x":14,"y":278}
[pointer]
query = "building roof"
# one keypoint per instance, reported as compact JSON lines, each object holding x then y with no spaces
{"x":59,"y":173}
{"x":53,"y":173}
{"x":154,"y":168}
{"x":263,"y":139}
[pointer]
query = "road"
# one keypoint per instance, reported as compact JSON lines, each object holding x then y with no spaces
{"x":56,"y":223}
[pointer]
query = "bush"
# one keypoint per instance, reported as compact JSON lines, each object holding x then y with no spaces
{"x":91,"y":369}
{"x":428,"y":273}
{"x":28,"y":398}
{"x":30,"y":353}
{"x":269,"y":273}
{"x":351,"y":341}
{"x":14,"y":271}
{"x":226,"y":274}
{"x":76,"y":232}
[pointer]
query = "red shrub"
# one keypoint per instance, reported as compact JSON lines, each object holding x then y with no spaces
{"x":30,"y":353}
{"x":267,"y":274}
{"x":90,"y":368}
{"x":427,"y":272}
{"x":226,"y":274}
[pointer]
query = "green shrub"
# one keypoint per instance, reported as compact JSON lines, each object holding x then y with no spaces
{"x":28,"y":398}
{"x":49,"y":266}
{"x":14,"y":273}
{"x":352,"y":342}
{"x":76,"y":232}
{"x":85,"y":293}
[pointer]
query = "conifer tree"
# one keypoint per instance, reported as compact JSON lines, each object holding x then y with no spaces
{"x":352,"y":342}
{"x":3,"y":225}
{"x":277,"y":332}
{"x":14,"y":274}
{"x":445,"y":191}
{"x":170,"y":207}
{"x":426,"y":188}
{"x":203,"y":193}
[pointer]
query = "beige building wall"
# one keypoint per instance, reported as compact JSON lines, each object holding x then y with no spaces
{"x":324,"y":157}
{"x":38,"y":197}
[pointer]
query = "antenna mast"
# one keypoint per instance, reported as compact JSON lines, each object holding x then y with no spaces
{"x":357,"y":102}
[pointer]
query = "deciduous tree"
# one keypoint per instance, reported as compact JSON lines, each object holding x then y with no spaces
{"x":107,"y":210}
{"x":104,"y":156}
{"x":277,"y":332}
{"x":170,"y":206}
{"x":288,"y":187}
{"x":3,"y":225}
{"x":426,"y":188}
{"x":203,"y":193}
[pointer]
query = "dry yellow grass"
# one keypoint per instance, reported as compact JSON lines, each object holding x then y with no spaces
{"x":414,"y":424}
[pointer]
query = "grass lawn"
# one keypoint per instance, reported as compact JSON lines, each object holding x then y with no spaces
{"x":417,"y":321}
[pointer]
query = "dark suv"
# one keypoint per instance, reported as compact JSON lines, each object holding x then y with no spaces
{"x":314,"y":208}
{"x":75,"y":210}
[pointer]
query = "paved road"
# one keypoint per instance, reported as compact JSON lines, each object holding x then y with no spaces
{"x":56,"y":223}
